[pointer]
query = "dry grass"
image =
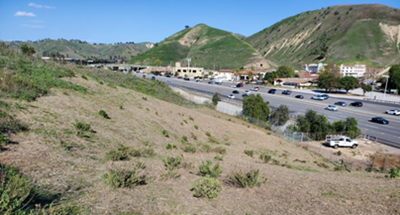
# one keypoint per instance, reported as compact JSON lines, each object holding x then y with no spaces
{"x":52,"y":154}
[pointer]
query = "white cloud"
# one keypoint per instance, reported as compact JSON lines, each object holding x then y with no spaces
{"x":32,"y":26}
{"x":23,"y":13}
{"x":40,"y":6}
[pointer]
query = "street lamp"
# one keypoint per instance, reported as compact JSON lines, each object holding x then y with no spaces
{"x":387,"y":80}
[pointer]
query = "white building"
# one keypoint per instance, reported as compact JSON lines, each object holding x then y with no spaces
{"x":189,"y":72}
{"x":314,"y":68}
{"x":356,"y":70}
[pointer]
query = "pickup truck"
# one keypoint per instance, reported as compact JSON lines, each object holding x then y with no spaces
{"x":342,"y":141}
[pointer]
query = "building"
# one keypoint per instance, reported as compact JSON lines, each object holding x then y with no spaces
{"x":188,"y":72}
{"x":225,"y":75}
{"x":314,"y":68}
{"x":356,"y":70}
{"x":295,"y":82}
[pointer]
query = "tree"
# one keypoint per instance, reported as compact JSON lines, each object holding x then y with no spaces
{"x":158,"y":62}
{"x":255,"y":108}
{"x":348,"y":127}
{"x":327,"y":81}
{"x":281,"y":115}
{"x":27,"y":50}
{"x":286,"y":72}
{"x":349,"y":83}
{"x":251,"y":75}
{"x":317,"y":125}
{"x":394,"y":77}
{"x":366,"y":88}
{"x":216,"y":99}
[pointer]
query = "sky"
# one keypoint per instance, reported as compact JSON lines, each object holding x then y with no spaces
{"x":105,"y":21}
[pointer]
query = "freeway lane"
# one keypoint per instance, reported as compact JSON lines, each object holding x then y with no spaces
{"x":388,"y":134}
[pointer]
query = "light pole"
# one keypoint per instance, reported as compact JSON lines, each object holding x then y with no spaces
{"x":387,"y":80}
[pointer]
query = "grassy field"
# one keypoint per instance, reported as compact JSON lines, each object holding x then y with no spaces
{"x":121,"y":147}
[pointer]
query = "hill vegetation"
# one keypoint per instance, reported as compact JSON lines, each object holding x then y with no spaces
{"x":207,"y":47}
{"x":84,"y":50}
{"x":338,"y":34}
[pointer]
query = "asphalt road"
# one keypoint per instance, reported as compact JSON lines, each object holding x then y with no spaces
{"x":387,"y":134}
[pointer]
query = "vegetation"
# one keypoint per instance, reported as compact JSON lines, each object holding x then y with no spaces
{"x":365,"y":88}
{"x":125,"y":178}
{"x":104,"y":114}
{"x":206,"y":169}
{"x":172,"y":163}
{"x":247,"y":180}
{"x":280,"y":116}
{"x":328,"y":81}
{"x":394,"y":77}
{"x":27,"y":50}
{"x":394,"y":172}
{"x":206,"y":187}
{"x":215,"y":99}
{"x":349,"y":83}
{"x":256,"y":109}
{"x":282,"y":72}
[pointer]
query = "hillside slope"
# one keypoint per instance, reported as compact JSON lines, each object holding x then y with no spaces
{"x":70,"y":148}
{"x":345,"y":33}
{"x":83,"y":50}
{"x":207,"y":47}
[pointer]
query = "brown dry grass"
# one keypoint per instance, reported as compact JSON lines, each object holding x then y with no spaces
{"x":304,"y":189}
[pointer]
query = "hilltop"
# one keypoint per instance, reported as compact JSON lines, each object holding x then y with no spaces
{"x":338,"y":34}
{"x":208,"y":47}
{"x":82,"y":50}
{"x":71,"y":130}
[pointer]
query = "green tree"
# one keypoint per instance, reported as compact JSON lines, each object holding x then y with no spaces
{"x":27,"y":50}
{"x":327,"y":81}
{"x":255,"y":108}
{"x":281,"y":115}
{"x":365,"y":88}
{"x":317,"y":125}
{"x":349,"y":83}
{"x":215,"y":99}
{"x":158,"y":62}
{"x":286,"y":72}
{"x":394,"y":77}
{"x":251,"y":75}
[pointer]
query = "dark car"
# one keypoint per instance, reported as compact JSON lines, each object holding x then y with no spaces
{"x":380,"y":120}
{"x":186,"y":79}
{"x":210,"y":82}
{"x":340,"y":103}
{"x":299,"y":97}
{"x":356,"y":104}
{"x":272,"y":91}
{"x":325,"y":96}
{"x":287,"y":92}
{"x":235,"y":92}
{"x":245,"y":94}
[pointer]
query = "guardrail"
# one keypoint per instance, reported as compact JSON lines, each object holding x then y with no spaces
{"x":382,"y":101}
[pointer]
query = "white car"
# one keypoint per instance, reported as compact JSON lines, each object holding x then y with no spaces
{"x":231,"y":96}
{"x":342,"y":141}
{"x":233,"y":86}
{"x":332,"y":108}
{"x":317,"y":97}
{"x":393,"y":112}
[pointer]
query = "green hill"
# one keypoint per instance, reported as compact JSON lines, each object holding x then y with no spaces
{"x":207,"y":47}
{"x":339,"y":34}
{"x":82,"y":50}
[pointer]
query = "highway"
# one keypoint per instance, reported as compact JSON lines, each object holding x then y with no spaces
{"x":387,"y":134}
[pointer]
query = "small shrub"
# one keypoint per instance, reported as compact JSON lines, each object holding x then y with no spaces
{"x":170,"y":147}
{"x":81,"y":126}
{"x":300,"y":161}
{"x":185,"y":121}
{"x":3,"y":140}
{"x":265,"y":157}
{"x":220,"y":150}
{"x":206,"y":187}
{"x":218,"y":158}
{"x":247,"y":180}
{"x":112,"y":85}
{"x":213,"y":140}
{"x":119,"y":154}
{"x":205,"y":169}
{"x":206,"y":148}
{"x":124,"y":178}
{"x":189,"y":149}
{"x":144,"y":152}
{"x":196,"y":127}
{"x":84,"y":77}
{"x":104,"y":114}
{"x":394,"y":173}
{"x":249,"y":152}
{"x":144,"y":98}
{"x":191,"y":118}
{"x":208,"y":134}
{"x":339,"y":153}
{"x":165,"y":133}
{"x":171,"y":163}
{"x":193,"y":136}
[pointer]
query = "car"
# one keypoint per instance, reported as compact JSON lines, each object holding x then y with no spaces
{"x":231,"y":96}
{"x":240,"y":84}
{"x":210,"y":82}
{"x":272,"y":91}
{"x":325,"y":96}
{"x":245,"y":94}
{"x":168,"y":76}
{"x":340,"y":103}
{"x":255,"y":89}
{"x":287,"y":92}
{"x":233,"y":86}
{"x":186,"y":79}
{"x":393,"y":112}
{"x":332,"y":108}
{"x":356,"y":104}
{"x":342,"y":141}
{"x":153,"y":78}
{"x":317,"y":97}
{"x":235,"y":92}
{"x":380,"y":120}
{"x":197,"y":80}
{"x":299,"y":97}
{"x":180,"y":77}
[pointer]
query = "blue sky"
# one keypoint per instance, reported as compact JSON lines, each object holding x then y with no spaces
{"x":146,"y":20}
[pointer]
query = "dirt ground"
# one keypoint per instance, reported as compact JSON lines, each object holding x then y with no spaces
{"x":299,"y":181}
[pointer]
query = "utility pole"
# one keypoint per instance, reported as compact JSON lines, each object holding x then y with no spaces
{"x":387,"y":80}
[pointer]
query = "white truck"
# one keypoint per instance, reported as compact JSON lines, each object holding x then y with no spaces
{"x":342,"y":141}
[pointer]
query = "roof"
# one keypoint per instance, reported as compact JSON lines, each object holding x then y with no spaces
{"x":294,"y":80}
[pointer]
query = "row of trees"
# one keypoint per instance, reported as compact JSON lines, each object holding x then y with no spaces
{"x":329,"y":81}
